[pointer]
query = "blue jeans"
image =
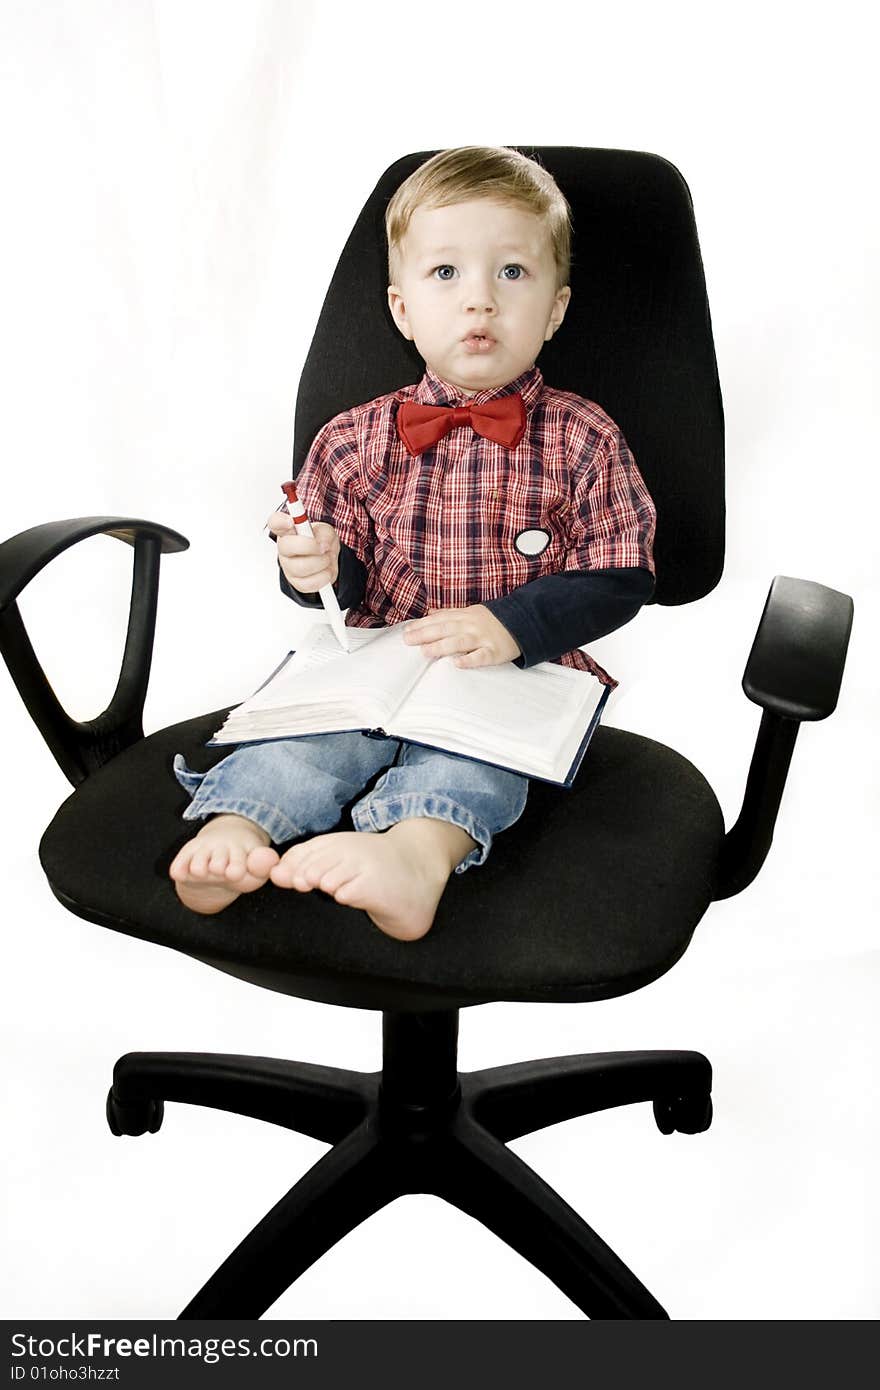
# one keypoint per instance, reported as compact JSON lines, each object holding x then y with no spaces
{"x":294,"y":787}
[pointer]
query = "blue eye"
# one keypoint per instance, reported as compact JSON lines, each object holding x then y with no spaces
{"x":518,"y":272}
{"x":444,"y":272}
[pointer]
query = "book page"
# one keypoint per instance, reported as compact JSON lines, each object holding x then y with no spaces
{"x":502,"y":713}
{"x":321,"y":687}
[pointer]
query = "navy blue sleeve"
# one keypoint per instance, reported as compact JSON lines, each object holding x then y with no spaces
{"x":553,"y":614}
{"x":350,"y":585}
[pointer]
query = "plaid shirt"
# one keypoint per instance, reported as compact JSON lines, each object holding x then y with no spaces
{"x":448,"y":528}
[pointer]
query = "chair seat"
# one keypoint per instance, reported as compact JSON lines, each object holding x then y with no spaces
{"x":594,"y":892}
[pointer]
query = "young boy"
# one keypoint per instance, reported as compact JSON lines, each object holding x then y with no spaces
{"x":508,"y":520}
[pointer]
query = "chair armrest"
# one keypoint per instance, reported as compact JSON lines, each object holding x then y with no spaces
{"x":23,"y":556}
{"x":80,"y":748}
{"x":796,"y":663}
{"x":794,"y":673}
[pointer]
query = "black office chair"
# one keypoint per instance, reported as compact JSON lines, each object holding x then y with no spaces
{"x":595,"y":892}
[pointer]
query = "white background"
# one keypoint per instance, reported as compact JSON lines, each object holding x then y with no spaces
{"x":178,"y":181}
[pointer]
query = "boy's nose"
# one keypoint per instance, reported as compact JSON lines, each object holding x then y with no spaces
{"x":480,"y":304}
{"x":478,"y":298}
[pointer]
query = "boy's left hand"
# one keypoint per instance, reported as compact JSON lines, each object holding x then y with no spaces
{"x":473,"y":636}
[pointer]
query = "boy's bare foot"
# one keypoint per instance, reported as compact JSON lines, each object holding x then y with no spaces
{"x":396,"y":876}
{"x":230,"y":855}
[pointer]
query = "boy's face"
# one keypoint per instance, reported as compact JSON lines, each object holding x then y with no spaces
{"x":476,"y":291}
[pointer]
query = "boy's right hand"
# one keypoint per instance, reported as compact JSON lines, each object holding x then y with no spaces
{"x":307,"y":562}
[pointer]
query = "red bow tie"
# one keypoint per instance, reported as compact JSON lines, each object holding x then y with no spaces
{"x":503,"y":420}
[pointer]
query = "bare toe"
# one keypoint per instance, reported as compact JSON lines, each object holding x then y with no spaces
{"x":219,"y":861}
{"x":288,"y":872}
{"x":236,"y":869}
{"x":261,"y":861}
{"x":335,"y":879}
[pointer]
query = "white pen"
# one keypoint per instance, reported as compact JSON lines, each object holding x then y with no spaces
{"x":302,"y":526}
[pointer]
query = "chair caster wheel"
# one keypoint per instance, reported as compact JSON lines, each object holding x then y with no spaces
{"x":135,"y":1117}
{"x":685,"y":1114}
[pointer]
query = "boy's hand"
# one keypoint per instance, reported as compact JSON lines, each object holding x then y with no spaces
{"x":308,"y":562}
{"x":473,"y":636}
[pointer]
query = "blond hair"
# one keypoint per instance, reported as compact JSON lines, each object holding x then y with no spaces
{"x":481,"y":171}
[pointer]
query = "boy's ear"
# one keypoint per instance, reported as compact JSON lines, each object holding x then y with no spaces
{"x":398,"y":311}
{"x":557,"y":313}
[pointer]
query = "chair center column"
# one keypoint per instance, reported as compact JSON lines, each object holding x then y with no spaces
{"x":419,"y":1060}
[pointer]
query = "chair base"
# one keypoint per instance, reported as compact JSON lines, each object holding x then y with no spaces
{"x":417,"y":1126}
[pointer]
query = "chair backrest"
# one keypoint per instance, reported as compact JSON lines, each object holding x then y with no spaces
{"x":637,"y":339}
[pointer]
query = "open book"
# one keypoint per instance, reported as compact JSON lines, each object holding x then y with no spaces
{"x":537,"y":722}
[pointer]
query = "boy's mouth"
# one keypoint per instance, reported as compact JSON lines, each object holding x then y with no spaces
{"x":478,"y":342}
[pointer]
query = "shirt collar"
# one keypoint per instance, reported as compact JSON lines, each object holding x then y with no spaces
{"x":431,"y":390}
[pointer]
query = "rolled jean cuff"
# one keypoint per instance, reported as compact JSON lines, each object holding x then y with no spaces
{"x":213,"y":803}
{"x":380,"y":813}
